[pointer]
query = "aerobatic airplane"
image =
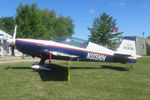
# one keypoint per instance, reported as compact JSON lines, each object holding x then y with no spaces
{"x":75,"y":49}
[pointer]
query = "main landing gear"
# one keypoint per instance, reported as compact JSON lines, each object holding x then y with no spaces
{"x":40,"y":66}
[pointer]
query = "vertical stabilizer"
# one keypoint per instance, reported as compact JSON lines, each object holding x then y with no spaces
{"x":128,"y":47}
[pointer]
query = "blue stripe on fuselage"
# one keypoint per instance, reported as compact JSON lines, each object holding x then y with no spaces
{"x":131,"y":60}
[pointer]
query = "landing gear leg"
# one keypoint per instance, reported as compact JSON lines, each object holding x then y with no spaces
{"x":42,"y":61}
{"x":43,"y":58}
{"x":40,"y":66}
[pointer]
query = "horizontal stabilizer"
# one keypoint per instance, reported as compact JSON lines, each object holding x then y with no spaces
{"x":123,"y":58}
{"x":122,"y":55}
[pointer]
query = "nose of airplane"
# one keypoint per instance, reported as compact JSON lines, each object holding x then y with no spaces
{"x":11,"y":41}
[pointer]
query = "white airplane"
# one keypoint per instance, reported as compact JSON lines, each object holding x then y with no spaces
{"x":75,"y":49}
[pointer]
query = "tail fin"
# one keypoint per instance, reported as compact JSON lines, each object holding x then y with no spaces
{"x":128,"y":47}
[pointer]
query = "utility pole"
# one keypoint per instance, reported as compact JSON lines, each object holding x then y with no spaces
{"x":143,"y":34}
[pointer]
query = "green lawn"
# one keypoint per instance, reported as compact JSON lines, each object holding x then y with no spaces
{"x":89,"y":81}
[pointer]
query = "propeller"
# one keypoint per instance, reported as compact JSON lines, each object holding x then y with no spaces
{"x":13,"y":39}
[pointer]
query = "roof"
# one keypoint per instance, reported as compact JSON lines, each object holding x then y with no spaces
{"x":4,"y":35}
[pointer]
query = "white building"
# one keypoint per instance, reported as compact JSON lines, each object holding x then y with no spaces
{"x":5,"y":49}
{"x":4,"y":46}
{"x":142,"y":46}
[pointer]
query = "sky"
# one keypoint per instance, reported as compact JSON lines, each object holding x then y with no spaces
{"x":132,"y":16}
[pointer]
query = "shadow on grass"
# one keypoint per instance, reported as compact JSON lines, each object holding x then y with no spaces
{"x":17,"y":68}
{"x":60,"y":73}
{"x":85,"y":68}
{"x":104,"y":67}
{"x":57,"y":73}
{"x":115,"y":68}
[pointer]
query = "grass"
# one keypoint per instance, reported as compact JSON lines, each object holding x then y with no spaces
{"x":89,"y":81}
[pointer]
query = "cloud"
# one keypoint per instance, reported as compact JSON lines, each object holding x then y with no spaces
{"x":91,"y":11}
{"x":144,"y":5}
{"x":117,"y":4}
{"x":122,"y":4}
{"x":111,"y":3}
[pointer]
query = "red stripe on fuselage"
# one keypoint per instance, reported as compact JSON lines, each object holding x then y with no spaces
{"x":131,"y":59}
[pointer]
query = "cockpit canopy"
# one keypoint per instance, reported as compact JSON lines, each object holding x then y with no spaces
{"x":72,"y":41}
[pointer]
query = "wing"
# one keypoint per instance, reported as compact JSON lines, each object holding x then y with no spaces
{"x":56,"y":53}
{"x":63,"y":54}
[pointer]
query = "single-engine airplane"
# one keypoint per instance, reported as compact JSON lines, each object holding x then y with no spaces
{"x":75,"y":49}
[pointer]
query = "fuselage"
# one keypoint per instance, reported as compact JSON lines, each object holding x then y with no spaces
{"x":92,"y":52}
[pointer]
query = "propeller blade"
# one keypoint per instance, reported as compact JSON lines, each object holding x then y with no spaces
{"x":13,"y":40}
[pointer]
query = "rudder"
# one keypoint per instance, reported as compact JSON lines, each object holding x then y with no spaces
{"x":128,"y":47}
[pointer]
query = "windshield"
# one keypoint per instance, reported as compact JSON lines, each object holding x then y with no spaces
{"x":72,"y":41}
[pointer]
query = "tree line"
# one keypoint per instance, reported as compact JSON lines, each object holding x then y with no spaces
{"x":36,"y":23}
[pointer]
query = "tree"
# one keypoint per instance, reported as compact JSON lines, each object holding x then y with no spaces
{"x":102,"y":31}
{"x":56,"y":27}
{"x":48,"y":20}
{"x":148,"y":37}
{"x":29,"y":21}
{"x":43,"y":24}
{"x":7,"y":24}
{"x":63,"y":26}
